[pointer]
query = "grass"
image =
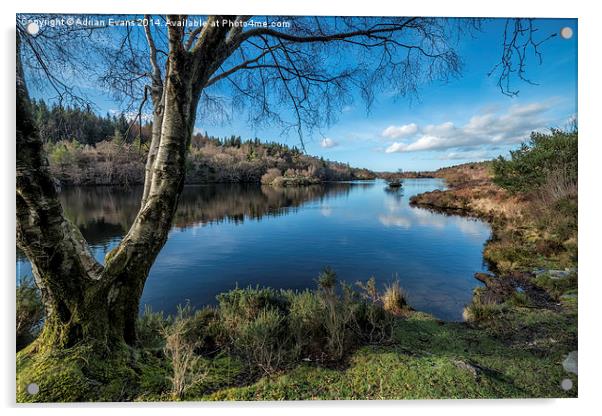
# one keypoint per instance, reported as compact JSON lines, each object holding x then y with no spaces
{"x":394,"y":299}
{"x":265,"y":344}
{"x":428,"y":360}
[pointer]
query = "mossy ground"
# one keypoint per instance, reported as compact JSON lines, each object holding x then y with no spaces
{"x":426,"y":362}
{"x":517,"y":355}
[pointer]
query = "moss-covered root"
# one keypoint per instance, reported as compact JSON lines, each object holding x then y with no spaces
{"x":76,"y":374}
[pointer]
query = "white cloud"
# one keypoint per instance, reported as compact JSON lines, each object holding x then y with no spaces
{"x":399,"y":132}
{"x":466,"y":155}
{"x":488,"y":129}
{"x":328,"y":143}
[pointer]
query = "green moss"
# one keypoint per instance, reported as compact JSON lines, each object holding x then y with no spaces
{"x":518,"y":355}
{"x":81,"y":374}
{"x":557,"y":287}
{"x":429,"y":359}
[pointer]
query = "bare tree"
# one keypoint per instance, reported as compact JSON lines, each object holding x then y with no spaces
{"x":315,"y":66}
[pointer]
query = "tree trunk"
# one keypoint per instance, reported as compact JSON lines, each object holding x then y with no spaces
{"x":84,"y":301}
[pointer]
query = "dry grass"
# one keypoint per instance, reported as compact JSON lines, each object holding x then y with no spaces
{"x":530,"y":229}
{"x":559,"y":184}
{"x":188,"y":368}
{"x":471,"y":190}
{"x":394,"y":299}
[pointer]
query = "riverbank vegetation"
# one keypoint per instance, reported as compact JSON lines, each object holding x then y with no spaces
{"x":530,"y":200}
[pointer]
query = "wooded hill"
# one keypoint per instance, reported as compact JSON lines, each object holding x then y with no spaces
{"x":87,"y":149}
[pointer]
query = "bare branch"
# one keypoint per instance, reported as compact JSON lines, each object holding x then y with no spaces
{"x":519,"y":41}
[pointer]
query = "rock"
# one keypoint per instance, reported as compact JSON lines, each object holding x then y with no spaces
{"x":472,"y":369}
{"x":558,"y":274}
{"x":555,"y":274}
{"x":570,"y":362}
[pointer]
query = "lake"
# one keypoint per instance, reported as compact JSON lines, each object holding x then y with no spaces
{"x":226,"y":235}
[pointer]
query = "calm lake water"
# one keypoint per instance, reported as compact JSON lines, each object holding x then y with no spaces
{"x":229,"y":235}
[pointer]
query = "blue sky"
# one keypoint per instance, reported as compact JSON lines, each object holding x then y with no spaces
{"x":443,"y":111}
{"x":461,"y":120}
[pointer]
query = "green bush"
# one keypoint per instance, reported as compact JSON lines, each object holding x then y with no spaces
{"x":327,"y":280}
{"x":547,"y":159}
{"x":271,"y":329}
{"x":265,"y":342}
{"x":64,"y":153}
{"x":150,"y":328}
{"x":305,"y":324}
{"x":479,"y":312}
{"x":243,"y":305}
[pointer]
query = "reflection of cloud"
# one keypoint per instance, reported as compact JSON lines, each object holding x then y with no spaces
{"x":424,"y":218}
{"x":326,"y":211}
{"x":395,"y":221}
{"x":393,"y":204}
{"x":429,"y":219}
{"x":469,"y":227}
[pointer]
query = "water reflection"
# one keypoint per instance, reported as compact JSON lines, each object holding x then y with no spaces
{"x":106,"y":213}
{"x":231,"y":234}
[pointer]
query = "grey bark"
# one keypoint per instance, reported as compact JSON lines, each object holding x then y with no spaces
{"x":83,"y":299}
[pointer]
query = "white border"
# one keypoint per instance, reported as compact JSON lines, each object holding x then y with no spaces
{"x":590,"y":154}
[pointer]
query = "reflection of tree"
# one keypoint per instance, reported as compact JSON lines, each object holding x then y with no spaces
{"x":114,"y":206}
{"x":105,"y":213}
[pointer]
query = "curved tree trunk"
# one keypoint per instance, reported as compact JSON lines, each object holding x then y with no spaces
{"x":85,"y":301}
{"x":62,"y":264}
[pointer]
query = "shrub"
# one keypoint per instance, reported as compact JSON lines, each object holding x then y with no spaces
{"x":369,"y":289}
{"x":269,"y":177}
{"x":243,"y":305}
{"x":30,"y":312}
{"x":337,"y":320}
{"x":264,"y":342}
{"x":150,"y":329}
{"x":374,"y":322}
{"x":271,"y":329}
{"x":327,"y":280}
{"x":306,"y":323}
{"x":188,"y":368}
{"x":546,"y":163}
{"x":255,"y":322}
{"x":479,"y":312}
{"x":64,"y":153}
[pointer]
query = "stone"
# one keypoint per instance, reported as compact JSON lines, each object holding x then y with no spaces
{"x":570,"y":362}
{"x":475,"y":371}
{"x":558,"y":274}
